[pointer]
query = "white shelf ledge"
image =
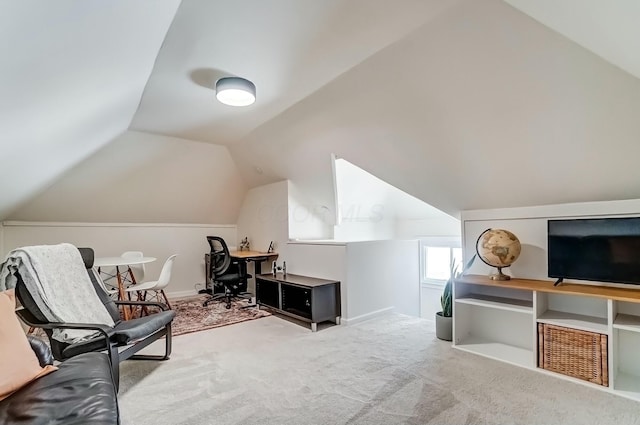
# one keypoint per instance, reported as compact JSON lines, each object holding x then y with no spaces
{"x":497,"y":351}
{"x":508,"y":304}
{"x":574,"y":321}
{"x":627,"y":322}
{"x":627,"y":385}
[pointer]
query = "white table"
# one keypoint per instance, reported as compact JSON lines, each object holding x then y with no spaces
{"x":122,"y":263}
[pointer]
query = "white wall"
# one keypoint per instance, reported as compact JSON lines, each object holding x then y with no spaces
{"x":111,"y":239}
{"x":529,"y":224}
{"x":264,"y":218}
{"x":144,"y":178}
{"x":416,"y":228}
{"x":430,"y":301}
{"x":365,"y":229}
{"x":376,"y":277}
{"x":326,"y":260}
{"x":307,"y":219}
{"x":383,"y":275}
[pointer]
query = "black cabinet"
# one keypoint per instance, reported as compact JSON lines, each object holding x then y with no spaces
{"x":297,"y":301}
{"x":306,"y":298}
{"x":267,"y":293}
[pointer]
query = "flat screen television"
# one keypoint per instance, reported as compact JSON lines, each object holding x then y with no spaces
{"x":598,"y":249}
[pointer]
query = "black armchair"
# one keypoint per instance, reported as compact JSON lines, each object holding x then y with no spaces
{"x":135,"y":334}
{"x":226,"y":273}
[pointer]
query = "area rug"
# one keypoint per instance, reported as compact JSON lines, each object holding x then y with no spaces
{"x":191,"y":316}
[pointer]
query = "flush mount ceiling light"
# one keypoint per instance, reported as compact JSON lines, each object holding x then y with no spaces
{"x":235,"y":91}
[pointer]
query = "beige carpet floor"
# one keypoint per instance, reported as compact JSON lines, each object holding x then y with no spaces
{"x":391,"y":370}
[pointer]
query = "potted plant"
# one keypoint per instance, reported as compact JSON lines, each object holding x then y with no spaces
{"x":444,"y":321}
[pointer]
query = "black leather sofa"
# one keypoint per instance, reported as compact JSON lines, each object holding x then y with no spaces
{"x":81,"y":392}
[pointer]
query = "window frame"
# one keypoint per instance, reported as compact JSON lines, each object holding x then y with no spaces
{"x":450,"y":242}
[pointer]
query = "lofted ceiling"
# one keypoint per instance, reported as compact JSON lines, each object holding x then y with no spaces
{"x":71,"y":79}
{"x":425,"y":94}
{"x":288,"y":48}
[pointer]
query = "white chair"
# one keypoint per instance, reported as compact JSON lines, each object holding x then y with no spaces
{"x":136,"y":269}
{"x":109,"y":290}
{"x":156,"y":286}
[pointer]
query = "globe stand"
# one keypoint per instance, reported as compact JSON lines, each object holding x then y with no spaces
{"x":499,"y":275}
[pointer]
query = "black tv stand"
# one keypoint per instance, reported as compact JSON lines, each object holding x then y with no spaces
{"x":305,"y":298}
{"x":559,"y":281}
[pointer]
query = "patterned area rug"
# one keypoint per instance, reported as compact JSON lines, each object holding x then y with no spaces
{"x":191,"y":316}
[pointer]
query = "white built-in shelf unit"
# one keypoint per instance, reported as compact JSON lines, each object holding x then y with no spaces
{"x":499,"y":320}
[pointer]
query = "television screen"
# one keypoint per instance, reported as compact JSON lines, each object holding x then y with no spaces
{"x":600,"y":249}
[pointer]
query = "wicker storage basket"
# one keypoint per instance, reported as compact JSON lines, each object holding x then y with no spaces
{"x":573,"y":352}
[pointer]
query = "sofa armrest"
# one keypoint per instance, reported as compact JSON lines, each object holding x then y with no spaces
{"x":42,"y":350}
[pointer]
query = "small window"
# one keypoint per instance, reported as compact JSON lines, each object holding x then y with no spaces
{"x":436,"y":259}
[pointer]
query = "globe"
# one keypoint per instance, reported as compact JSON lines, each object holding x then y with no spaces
{"x":498,"y":248}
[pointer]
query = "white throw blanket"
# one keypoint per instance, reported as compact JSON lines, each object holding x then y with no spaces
{"x":57,"y":279}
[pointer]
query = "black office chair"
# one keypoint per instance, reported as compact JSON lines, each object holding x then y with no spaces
{"x":226,"y":274}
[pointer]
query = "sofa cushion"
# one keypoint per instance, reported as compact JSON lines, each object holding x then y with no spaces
{"x":19,"y":364}
{"x":81,"y":392}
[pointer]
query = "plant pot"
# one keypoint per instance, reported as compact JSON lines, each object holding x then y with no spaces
{"x":444,"y":327}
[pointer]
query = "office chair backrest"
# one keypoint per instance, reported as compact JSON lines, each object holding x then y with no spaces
{"x":165,"y":273}
{"x":219,"y":255}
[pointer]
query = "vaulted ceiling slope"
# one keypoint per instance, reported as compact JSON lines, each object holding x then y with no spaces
{"x":480,"y":108}
{"x":144,"y":178}
{"x":71,"y":79}
{"x":288,"y":48}
{"x":465,"y":104}
{"x":608,"y":28}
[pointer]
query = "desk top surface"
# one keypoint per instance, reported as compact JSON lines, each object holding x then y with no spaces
{"x":253,"y":255}
{"x":297,"y":279}
{"x":121,"y":261}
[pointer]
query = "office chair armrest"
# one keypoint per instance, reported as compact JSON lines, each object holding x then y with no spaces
{"x":161,"y":306}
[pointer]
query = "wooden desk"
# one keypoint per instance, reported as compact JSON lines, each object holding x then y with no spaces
{"x":306,"y":298}
{"x":255,"y":256}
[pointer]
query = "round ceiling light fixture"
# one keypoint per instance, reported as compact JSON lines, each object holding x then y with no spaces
{"x":235,"y":91}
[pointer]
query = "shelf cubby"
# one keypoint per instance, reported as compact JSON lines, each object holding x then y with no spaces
{"x":626,"y":366}
{"x":501,"y":303}
{"x":496,"y":350}
{"x":574,"y":321}
{"x":626,"y":316}
{"x":627,"y":322}
{"x":493,"y":328}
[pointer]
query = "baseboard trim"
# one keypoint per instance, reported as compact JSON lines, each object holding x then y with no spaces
{"x":176,"y":295}
{"x":367,"y":316}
